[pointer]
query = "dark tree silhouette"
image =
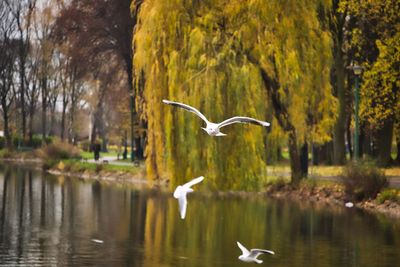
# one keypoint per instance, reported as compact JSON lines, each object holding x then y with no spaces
{"x":96,"y":29}
{"x":22,"y":11}
{"x":8,"y":55}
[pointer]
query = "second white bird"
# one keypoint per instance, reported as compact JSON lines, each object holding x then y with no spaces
{"x":181,"y":191}
{"x":251,"y":256}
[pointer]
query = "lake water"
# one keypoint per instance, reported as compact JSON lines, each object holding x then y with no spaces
{"x":52,"y":221}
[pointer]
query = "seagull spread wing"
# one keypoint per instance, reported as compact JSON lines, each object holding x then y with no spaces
{"x":182,"y":206}
{"x":255,"y":252}
{"x":242,"y":120}
{"x":193,"y":182}
{"x":244,"y":250}
{"x":188,"y":108}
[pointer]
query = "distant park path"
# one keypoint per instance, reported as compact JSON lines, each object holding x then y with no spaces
{"x":110,"y":160}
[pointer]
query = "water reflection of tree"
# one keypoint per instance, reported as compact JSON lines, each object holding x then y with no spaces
{"x":141,"y":229}
{"x":21,"y":225}
{"x":7,"y":174}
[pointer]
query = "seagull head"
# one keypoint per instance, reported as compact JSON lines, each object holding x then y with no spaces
{"x":209,"y":130}
{"x":212,"y":129}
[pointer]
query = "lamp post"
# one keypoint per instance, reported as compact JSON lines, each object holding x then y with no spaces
{"x":357,"y":71}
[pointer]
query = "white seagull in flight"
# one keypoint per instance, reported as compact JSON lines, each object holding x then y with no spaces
{"x":181,"y":191}
{"x":213,"y":129}
{"x":251,"y":256}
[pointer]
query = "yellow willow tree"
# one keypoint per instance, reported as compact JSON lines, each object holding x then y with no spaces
{"x":230,"y":58}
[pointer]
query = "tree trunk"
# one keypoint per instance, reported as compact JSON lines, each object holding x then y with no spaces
{"x":132,"y":112}
{"x":304,"y":160}
{"x":384,"y":138}
{"x":361,"y":142}
{"x":339,"y":150}
{"x":7,"y":134}
{"x":282,"y":115}
{"x":104,"y":141}
{"x":63,"y":112}
{"x":52,"y":122}
{"x":31,"y":112}
{"x":295,"y":163}
{"x":366,"y":142}
{"x":322,"y":154}
{"x":93,"y":134}
{"x":140,"y":142}
{"x":70,"y":128}
{"x":71,"y":136}
{"x":142,"y":123}
{"x":22,"y":78}
{"x":139,"y":148}
{"x":53,"y":104}
{"x":398,"y":150}
{"x":98,"y":127}
{"x":279,"y":156}
{"x":315,"y":155}
{"x":44,"y":109}
{"x":125,"y":153}
{"x":102,"y":129}
{"x":348,"y":137}
{"x":397,"y":134}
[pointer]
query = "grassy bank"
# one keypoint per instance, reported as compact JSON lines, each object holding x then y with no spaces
{"x":67,"y":158}
{"x":284,"y":169}
{"x":74,"y":165}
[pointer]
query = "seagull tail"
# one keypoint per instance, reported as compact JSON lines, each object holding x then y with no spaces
{"x":220,"y":134}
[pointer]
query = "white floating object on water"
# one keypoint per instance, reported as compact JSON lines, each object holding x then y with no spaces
{"x":181,"y":192}
{"x":349,"y":204}
{"x":251,"y":256}
{"x":213,"y":129}
{"x":98,"y":241}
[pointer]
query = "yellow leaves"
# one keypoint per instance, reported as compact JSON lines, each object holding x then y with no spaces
{"x":292,"y":67}
{"x":196,"y":41}
{"x":379,"y":92}
{"x":201,"y":59}
{"x":212,"y":62}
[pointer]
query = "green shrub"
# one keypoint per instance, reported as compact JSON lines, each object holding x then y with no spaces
{"x":36,"y":141}
{"x":17,"y":141}
{"x":363,"y":180}
{"x":388,"y":194}
{"x":49,"y":140}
